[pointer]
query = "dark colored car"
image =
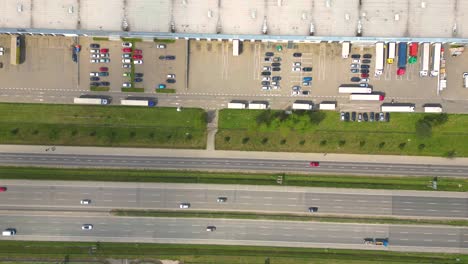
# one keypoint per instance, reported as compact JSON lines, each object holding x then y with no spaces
{"x":355,"y":79}
{"x":354,"y":70}
{"x":170,"y":80}
{"x":366,"y":61}
{"x":138,"y":79}
{"x":94,"y":79}
{"x":364,"y":71}
{"x":367,"y":56}
{"x":365,"y":66}
{"x":305,"y":92}
{"x":377,"y":115}
{"x":366,"y":117}
{"x":95,"y":84}
{"x":266,"y":73}
{"x":3,"y":189}
{"x":353,"y":116}
{"x":371,"y":116}
{"x":265,"y":83}
{"x":356,"y":56}
{"x":313,"y":209}
{"x":276,"y":78}
{"x":276,"y":69}
{"x":168,"y":57}
{"x":267,"y":59}
{"x":269,"y":54}
{"x":364,"y":75}
{"x":297,"y":54}
{"x":104,"y":50}
{"x":103,"y":74}
{"x":346,"y":116}
{"x":276,"y":64}
{"x":307,"y":69}
{"x":387,"y":117}
{"x":139,"y":74}
{"x":94,"y":46}
{"x":105,"y":83}
{"x":103,"y":69}
{"x":75,"y":57}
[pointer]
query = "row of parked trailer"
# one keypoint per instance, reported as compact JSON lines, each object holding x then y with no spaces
{"x":106,"y":101}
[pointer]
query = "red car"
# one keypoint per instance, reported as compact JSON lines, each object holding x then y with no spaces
{"x":314,"y":164}
{"x":137,"y":57}
{"x":104,"y":50}
{"x":137,"y":51}
{"x":127,"y":49}
{"x":3,"y":189}
{"x":364,"y":75}
{"x":103,"y":69}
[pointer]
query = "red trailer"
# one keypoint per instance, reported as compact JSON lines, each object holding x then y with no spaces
{"x":413,"y":49}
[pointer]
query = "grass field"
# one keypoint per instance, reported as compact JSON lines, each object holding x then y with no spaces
{"x":288,"y":217}
{"x":102,"y":126}
{"x":343,"y":181}
{"x":66,"y":252}
{"x":238,"y":129}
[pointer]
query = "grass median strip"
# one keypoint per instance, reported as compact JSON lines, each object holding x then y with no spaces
{"x":180,"y":176}
{"x":69,"y":252}
{"x":288,"y":217}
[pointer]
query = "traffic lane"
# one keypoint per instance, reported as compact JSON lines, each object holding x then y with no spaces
{"x":170,"y":198}
{"x":230,"y":164}
{"x":128,"y":229}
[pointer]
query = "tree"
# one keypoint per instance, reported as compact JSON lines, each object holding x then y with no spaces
{"x":362,"y":143}
{"x":227,"y":139}
{"x":421,"y":146}
{"x":341,"y":142}
{"x":245,"y":140}
{"x":264,"y":141}
{"x":381,"y":144}
{"x":402,"y":145}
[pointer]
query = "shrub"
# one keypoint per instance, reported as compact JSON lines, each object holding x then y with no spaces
{"x":323,"y":143}
{"x":362,"y":143}
{"x":421,"y":146}
{"x":74,"y":132}
{"x":402,"y":145}
{"x":283,"y":141}
{"x":264,"y":141}
{"x":381,"y":144}
{"x":15,"y":131}
{"x":227,"y":139}
{"x":92,"y":133}
{"x":245,"y":140}
{"x":302,"y":142}
{"x":341,"y":142}
{"x":132,"y":134}
{"x":35,"y":132}
{"x":151,"y":135}
{"x":451,"y":154}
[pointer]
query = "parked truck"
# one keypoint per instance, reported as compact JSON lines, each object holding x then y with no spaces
{"x":258,"y":105}
{"x":436,"y":59}
{"x":391,"y":52}
{"x":397,"y":107}
{"x":402,"y":57}
{"x":302,"y":105}
{"x":137,"y":102}
{"x":426,"y":55}
{"x":327,"y":106}
{"x":90,"y":100}
{"x":379,"y":58}
{"x":366,"y":97}
{"x":429,"y":108}
{"x":345,"y":49}
{"x":237,"y":105}
{"x":352,"y":88}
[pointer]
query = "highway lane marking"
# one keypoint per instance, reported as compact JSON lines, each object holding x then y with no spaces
{"x":337,"y":206}
{"x":338,"y":200}
{"x":432,"y":203}
{"x":408,"y":209}
{"x":107,"y":200}
{"x":407,"y":202}
{"x":192,"y":225}
{"x":292,"y":198}
{"x":432,"y":210}
{"x":155,"y":201}
{"x":310,"y":229}
{"x":362,"y":201}
{"x":172,"y":231}
{"x":455,"y":204}
{"x":428,"y":233}
{"x":264,"y":227}
{"x":428,"y":240}
{"x":287,"y":228}
{"x":292,"y":205}
{"x":452,"y":234}
{"x":404,"y":239}
{"x":403,"y":232}
{"x":451,"y":240}
{"x":12,"y":198}
{"x":288,"y":235}
{"x":267,"y":197}
{"x":267,"y":204}
{"x":246,"y":197}
{"x":380,"y":231}
{"x":315,"y":199}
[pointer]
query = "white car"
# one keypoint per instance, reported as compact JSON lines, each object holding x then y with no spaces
{"x":126,"y":65}
{"x":126,"y":56}
{"x":87,"y":227}
{"x":276,"y":87}
{"x":126,"y":61}
{"x":94,"y":61}
{"x":105,"y":55}
{"x":221,"y":199}
{"x":266,"y":68}
{"x":365,"y":80}
{"x":94,"y":51}
{"x":85,"y":201}
{"x":161,"y":46}
{"x":354,"y":66}
{"x":297,"y":64}
{"x":104,"y":60}
{"x":93,"y":74}
{"x":95,"y":55}
{"x":127,"y":44}
{"x":126,"y":85}
{"x":296,"y":69}
{"x":266,"y":88}
{"x":295,"y":93}
{"x":138,"y":62}
{"x":356,"y":61}
{"x":211,"y":228}
{"x":265,"y":78}
{"x":184,"y":205}
{"x":172,"y":76}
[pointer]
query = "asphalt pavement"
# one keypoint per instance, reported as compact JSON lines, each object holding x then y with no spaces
{"x":268,"y":233}
{"x":104,"y":196}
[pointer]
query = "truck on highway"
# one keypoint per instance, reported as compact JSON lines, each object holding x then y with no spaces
{"x":90,"y":100}
{"x":302,"y":105}
{"x":327,"y":106}
{"x":397,"y":107}
{"x":391,"y":52}
{"x":258,"y":105}
{"x":138,"y":102}
{"x":402,"y":57}
{"x":352,"y":88}
{"x":366,"y":97}
{"x":425,"y":60}
{"x":9,"y":232}
{"x":436,"y":59}
{"x":379,"y":58}
{"x":376,"y":241}
{"x":237,"y":105}
{"x":345,"y":48}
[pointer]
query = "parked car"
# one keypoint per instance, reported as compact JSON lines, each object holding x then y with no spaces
{"x":305,"y":92}
{"x":307,"y":69}
{"x":377,"y":116}
{"x":161,"y":86}
{"x":139,"y":74}
{"x":359,"y":118}
{"x":126,"y":85}
{"x":94,"y":55}
{"x":105,"y":55}
{"x":269,"y":54}
{"x":138,"y":79}
{"x":276,"y":69}
{"x":371,"y":116}
{"x":126,"y":56}
{"x":296,"y":88}
{"x":366,"y":117}
{"x":356,"y":61}
{"x":276,"y":78}
{"x":276,"y":59}
{"x":171,"y":75}
{"x":126,"y":60}
{"x":297,"y":64}
{"x":266,"y":73}
{"x":387,"y":117}
{"x":138,"y":62}
{"x":170,"y":80}
{"x":305,"y":83}
{"x":381,"y":117}
{"x":105,"y":83}
{"x":161,"y":46}
{"x":104,"y":50}
{"x":126,"y":65}
{"x":365,"y":66}
{"x":105,"y":60}
{"x":297,"y":54}
{"x":354,"y":65}
{"x":356,"y":56}
{"x":137,"y":57}
{"x":365,"y":80}
{"x":347,"y":116}
{"x":367,"y":56}
{"x":353,"y":116}
{"x":276,"y":64}
{"x":366,"y":61}
{"x":95,"y":84}
{"x":127,"y":44}
{"x":127,"y":50}
{"x":93,"y":74}
{"x":265,"y":78}
{"x":94,"y":51}
{"x":364,"y":71}
{"x":103,"y":69}
{"x":364,"y":75}
{"x":103,"y":74}
{"x":221,"y":199}
{"x":296,"y":69}
{"x":342,"y":116}
{"x":268,"y":59}
{"x":170,"y":57}
{"x":265,"y":83}
{"x":138,"y":52}
{"x":307,"y":79}
{"x":355,"y":79}
{"x":74,"y":57}
{"x":266,"y":68}
{"x":94,"y":79}
{"x":266,"y":88}
{"x":354,"y":70}
{"x":94,"y":46}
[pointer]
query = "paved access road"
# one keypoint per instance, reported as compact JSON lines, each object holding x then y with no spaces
{"x":66,"y":196}
{"x":158,"y":162}
{"x":268,"y":233}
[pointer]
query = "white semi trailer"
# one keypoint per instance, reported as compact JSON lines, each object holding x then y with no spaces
{"x":91,"y":101}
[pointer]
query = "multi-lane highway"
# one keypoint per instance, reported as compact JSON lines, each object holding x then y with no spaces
{"x":66,"y":196}
{"x":193,"y":230}
{"x":160,"y":162}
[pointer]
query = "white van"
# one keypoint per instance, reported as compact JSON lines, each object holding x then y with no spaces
{"x":9,"y":232}
{"x":465,"y":79}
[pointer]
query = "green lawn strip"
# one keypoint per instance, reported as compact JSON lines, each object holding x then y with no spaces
{"x":323,"y":132}
{"x":213,"y":253}
{"x":288,"y":217}
{"x":164,"y":40}
{"x":133,"y":90}
{"x":102,"y":126}
{"x":99,"y":89}
{"x":133,"y":40}
{"x":181,"y":176}
{"x":165,"y":90}
{"x":100,"y":39}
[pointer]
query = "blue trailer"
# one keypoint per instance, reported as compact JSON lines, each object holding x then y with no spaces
{"x":402,"y":54}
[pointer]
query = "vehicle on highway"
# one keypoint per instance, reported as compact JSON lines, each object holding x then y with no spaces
{"x":94,"y":74}
{"x":126,"y":65}
{"x":184,"y":205}
{"x":87,"y":227}
{"x":126,"y":60}
{"x":314,"y":164}
{"x":313,"y":209}
{"x":138,"y":79}
{"x":137,"y":57}
{"x":221,"y":199}
{"x":269,"y":54}
{"x":103,"y":69}
{"x":94,"y":46}
{"x":160,"y":46}
{"x":104,"y":60}
{"x":355,"y":79}
{"x":171,"y":75}
{"x":127,"y":44}
{"x":297,"y":54}
{"x":104,"y":50}
{"x":138,"y":62}
{"x":85,"y":201}
{"x":307,"y":69}
{"x":94,"y":79}
{"x":126,"y":85}
{"x":211,"y":228}
{"x":171,"y":81}
{"x":9,"y":232}
{"x":376,"y":241}
{"x":127,"y":50}
{"x":126,"y":56}
{"x":3,"y":189}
